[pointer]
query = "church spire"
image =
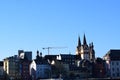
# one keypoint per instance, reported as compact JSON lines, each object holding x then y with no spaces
{"x":84,"y":40}
{"x":79,"y":42}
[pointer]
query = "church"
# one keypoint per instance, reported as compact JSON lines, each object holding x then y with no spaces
{"x":85,"y":51}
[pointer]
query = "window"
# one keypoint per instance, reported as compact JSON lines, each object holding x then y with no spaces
{"x":113,"y":75}
{"x":117,"y":63}
{"x":118,"y":69}
{"x":112,"y":63}
{"x":117,"y":74}
{"x":113,"y":69}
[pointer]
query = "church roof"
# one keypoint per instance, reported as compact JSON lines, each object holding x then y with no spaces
{"x":84,"y":40}
{"x":79,"y":42}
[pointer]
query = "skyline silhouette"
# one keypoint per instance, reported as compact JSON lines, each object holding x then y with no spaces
{"x":31,"y":25}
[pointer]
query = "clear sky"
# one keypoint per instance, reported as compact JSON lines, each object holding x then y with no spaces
{"x":33,"y":24}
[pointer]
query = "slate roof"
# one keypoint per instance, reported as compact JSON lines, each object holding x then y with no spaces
{"x":41,"y":61}
{"x":114,"y":54}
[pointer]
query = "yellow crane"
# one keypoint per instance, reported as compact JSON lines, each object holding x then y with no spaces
{"x":48,"y":48}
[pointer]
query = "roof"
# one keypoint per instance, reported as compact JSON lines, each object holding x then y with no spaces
{"x":42,"y":61}
{"x":50,"y":57}
{"x":114,"y":54}
{"x":99,"y":60}
{"x":66,"y":54}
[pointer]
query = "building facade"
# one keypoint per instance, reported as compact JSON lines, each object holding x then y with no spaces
{"x":99,"y":70}
{"x":11,"y":67}
{"x":112,"y":59}
{"x":25,"y":58}
{"x":40,"y":68}
{"x":25,"y":69}
{"x":67,"y":58}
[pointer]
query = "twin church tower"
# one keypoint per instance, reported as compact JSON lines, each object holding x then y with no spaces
{"x":84,"y":51}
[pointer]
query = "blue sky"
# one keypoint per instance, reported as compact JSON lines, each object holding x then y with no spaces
{"x":33,"y":24}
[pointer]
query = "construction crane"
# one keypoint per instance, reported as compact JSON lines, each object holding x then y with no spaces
{"x":48,"y":48}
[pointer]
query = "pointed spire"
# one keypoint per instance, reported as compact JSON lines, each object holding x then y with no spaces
{"x":79,"y":42}
{"x":84,"y":40}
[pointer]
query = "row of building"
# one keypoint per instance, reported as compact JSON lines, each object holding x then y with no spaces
{"x":81,"y":65}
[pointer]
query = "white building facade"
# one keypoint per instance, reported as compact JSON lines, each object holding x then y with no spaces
{"x":39,"y":70}
{"x":112,"y":59}
{"x":115,"y":69}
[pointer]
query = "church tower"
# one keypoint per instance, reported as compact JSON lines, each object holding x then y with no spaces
{"x":78,"y":50}
{"x":84,"y":51}
{"x":92,"y":51}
